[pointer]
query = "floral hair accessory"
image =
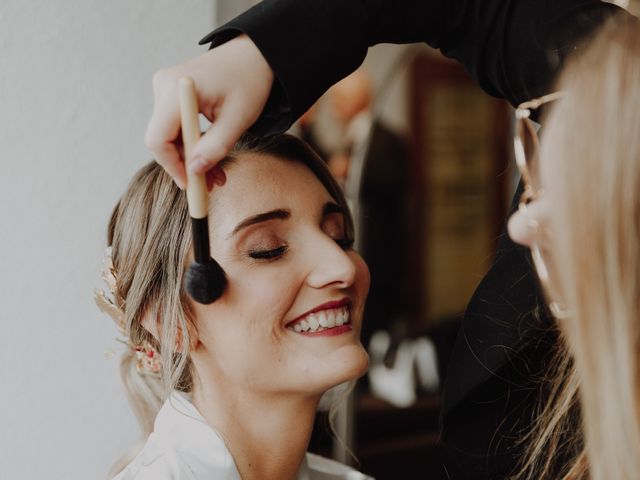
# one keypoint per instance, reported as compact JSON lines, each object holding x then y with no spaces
{"x":148,"y":359}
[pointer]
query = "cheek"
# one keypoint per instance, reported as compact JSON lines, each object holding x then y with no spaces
{"x":264,"y":297}
{"x":243,"y":329}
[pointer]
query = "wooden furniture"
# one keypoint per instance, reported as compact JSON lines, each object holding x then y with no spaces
{"x":462,"y":150}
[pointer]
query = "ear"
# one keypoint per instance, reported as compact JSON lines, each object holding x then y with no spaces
{"x":151,"y":323}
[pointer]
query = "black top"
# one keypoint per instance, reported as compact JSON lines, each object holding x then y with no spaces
{"x":513,"y":49}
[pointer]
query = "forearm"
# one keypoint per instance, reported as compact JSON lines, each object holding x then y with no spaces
{"x":309,"y":44}
{"x":515,"y":49}
{"x":512,"y":48}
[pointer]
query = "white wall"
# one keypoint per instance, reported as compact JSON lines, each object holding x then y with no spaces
{"x":227,"y":9}
{"x":75,"y":97}
{"x":388,"y":65}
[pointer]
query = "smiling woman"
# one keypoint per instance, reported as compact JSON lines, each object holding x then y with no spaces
{"x":233,"y":386}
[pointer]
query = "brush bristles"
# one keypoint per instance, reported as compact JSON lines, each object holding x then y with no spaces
{"x":205,"y":282}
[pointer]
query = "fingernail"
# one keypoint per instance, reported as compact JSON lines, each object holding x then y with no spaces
{"x":197,"y":165}
{"x":210,"y":182}
{"x":219,"y":176}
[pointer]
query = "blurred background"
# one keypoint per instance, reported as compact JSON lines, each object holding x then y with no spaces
{"x":424,"y":157}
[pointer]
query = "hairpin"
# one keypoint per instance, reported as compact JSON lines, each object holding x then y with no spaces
{"x":148,"y":359}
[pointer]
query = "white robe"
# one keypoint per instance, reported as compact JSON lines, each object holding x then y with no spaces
{"x":184,"y":447}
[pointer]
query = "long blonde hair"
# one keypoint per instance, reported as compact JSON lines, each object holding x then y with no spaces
{"x":595,"y":187}
{"x":150,"y":242}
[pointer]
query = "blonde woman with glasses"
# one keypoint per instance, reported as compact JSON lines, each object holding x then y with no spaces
{"x":580,"y":216}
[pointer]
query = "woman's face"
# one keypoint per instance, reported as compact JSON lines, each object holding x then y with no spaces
{"x":280,"y":238}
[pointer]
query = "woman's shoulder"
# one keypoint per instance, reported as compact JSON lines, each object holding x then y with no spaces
{"x":156,"y":462}
{"x":158,"y":470}
{"x":169,"y":459}
{"x":181,"y":447}
{"x":321,"y":468}
{"x":152,"y":463}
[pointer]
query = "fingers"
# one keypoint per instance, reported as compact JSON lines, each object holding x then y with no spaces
{"x":216,"y":143}
{"x":233,"y":84}
{"x":162,"y":138}
{"x":169,"y":157}
{"x":162,"y":132}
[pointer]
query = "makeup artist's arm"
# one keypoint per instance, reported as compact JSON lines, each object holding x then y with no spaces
{"x":512,"y":48}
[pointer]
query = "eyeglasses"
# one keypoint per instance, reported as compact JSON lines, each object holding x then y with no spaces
{"x":527,"y":154}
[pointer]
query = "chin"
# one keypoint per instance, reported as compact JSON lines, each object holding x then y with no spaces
{"x":349,"y":364}
{"x":360,"y":365}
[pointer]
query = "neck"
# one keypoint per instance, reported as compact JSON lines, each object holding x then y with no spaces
{"x":266,"y":434}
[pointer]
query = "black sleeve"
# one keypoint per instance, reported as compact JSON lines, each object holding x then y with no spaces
{"x":512,"y":48}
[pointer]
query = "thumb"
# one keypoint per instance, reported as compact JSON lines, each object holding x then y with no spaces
{"x":218,"y":141}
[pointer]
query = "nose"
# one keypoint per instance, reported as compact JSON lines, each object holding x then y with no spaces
{"x":522,"y":228}
{"x":330,"y":265}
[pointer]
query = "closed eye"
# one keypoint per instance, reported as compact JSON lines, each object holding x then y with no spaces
{"x":268,"y":254}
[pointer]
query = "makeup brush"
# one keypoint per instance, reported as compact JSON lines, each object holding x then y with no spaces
{"x":205,"y":280}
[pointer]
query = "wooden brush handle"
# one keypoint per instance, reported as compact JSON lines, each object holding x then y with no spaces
{"x":197,"y":194}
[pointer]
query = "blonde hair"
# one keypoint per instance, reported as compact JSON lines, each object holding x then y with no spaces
{"x":596,"y":264}
{"x":149,"y":233}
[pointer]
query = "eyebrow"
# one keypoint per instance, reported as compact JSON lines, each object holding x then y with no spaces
{"x":282,"y":214}
{"x":279,"y":214}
